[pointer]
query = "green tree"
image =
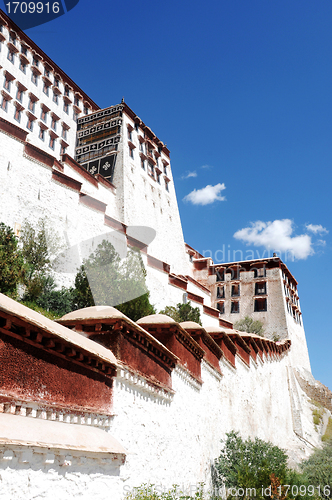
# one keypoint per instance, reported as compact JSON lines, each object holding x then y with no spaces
{"x":12,"y":267}
{"x":183,"y":312}
{"x":38,"y":246}
{"x":249,"y":464}
{"x":318,"y":469}
{"x":250,"y":326}
{"x":103,"y":279}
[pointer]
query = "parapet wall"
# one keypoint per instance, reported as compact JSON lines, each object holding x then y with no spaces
{"x":164,"y":413}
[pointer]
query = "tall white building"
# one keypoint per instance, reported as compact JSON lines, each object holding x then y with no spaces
{"x":37,"y":95}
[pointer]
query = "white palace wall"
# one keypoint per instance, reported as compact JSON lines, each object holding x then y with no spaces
{"x":168,"y":439}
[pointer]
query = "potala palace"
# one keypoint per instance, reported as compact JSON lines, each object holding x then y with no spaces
{"x":94,"y":404}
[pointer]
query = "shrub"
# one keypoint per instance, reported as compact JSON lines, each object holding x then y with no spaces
{"x":12,"y":267}
{"x":248,"y":465}
{"x":328,"y":433}
{"x":250,"y":326}
{"x":318,"y":469}
{"x":183,"y":312}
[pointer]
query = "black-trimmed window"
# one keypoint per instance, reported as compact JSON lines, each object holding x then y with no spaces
{"x":260,"y":305}
{"x":220,"y":275}
{"x":220,"y":292}
{"x":142,"y":164}
{"x":260,"y":288}
{"x":235,"y":306}
{"x":221,"y":307}
{"x":236,"y":290}
{"x":19,"y":94}
{"x":55,"y":98}
{"x":46,"y":89}
{"x":10,"y":56}
{"x":18,"y":114}
{"x":23,"y":66}
{"x":4,"y":104}
{"x":34,"y":78}
{"x":260,"y":272}
{"x":7,"y":84}
{"x":41,"y":134}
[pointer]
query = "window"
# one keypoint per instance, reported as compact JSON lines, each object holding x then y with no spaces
{"x":260,"y":305}
{"x":141,"y":147}
{"x":220,"y":292}
{"x":4,"y":104}
{"x":151,"y":169}
{"x":130,"y":135}
{"x":66,"y":91}
{"x":30,"y":123}
{"x":86,"y":110}
{"x":65,"y":128}
{"x":165,"y":169}
{"x":220,"y":273}
{"x":54,"y":123}
{"x":23,"y":66}
{"x":75,"y":116}
{"x":32,"y":105}
{"x":18,"y":114}
{"x":260,"y":288}
{"x":66,"y":107}
{"x":77,"y":101}
{"x":235,"y":307}
{"x":142,"y":164}
{"x":41,"y":134}
{"x":7,"y":83}
{"x":260,"y":272}
{"x":131,"y":152}
{"x":52,"y":142}
{"x":158,"y":178}
{"x":12,"y":38}
{"x":63,"y":149}
{"x":35,"y":62}
{"x":56,"y":82}
{"x":10,"y":56}
{"x":43,"y":115}
{"x":46,"y":88}
{"x":46,"y":72}
{"x":55,"y":98}
{"x":24,"y":50}
{"x":235,"y":290}
{"x":34,"y":78}
{"x":221,"y":307}
{"x":166,"y":185}
{"x":19,"y":94}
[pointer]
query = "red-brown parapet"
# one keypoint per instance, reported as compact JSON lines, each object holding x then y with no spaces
{"x":130,"y":343}
{"x":177,"y":340}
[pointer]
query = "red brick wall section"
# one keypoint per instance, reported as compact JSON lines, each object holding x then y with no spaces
{"x":66,"y":181}
{"x":133,"y":354}
{"x":31,"y":374}
{"x":13,"y":130}
{"x":39,"y":155}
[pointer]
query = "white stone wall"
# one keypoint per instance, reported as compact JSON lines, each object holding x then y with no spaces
{"x":148,"y":203}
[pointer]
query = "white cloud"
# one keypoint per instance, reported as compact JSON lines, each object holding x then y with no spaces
{"x":316,"y":228}
{"x":207,"y":166}
{"x":189,"y":174}
{"x":277,"y":236}
{"x":205,"y":196}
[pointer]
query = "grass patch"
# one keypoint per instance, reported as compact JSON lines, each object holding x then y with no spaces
{"x":317,"y":413}
{"x":328,"y":433}
{"x":48,"y":314}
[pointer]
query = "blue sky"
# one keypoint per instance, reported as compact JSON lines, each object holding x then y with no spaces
{"x":241,"y":93}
